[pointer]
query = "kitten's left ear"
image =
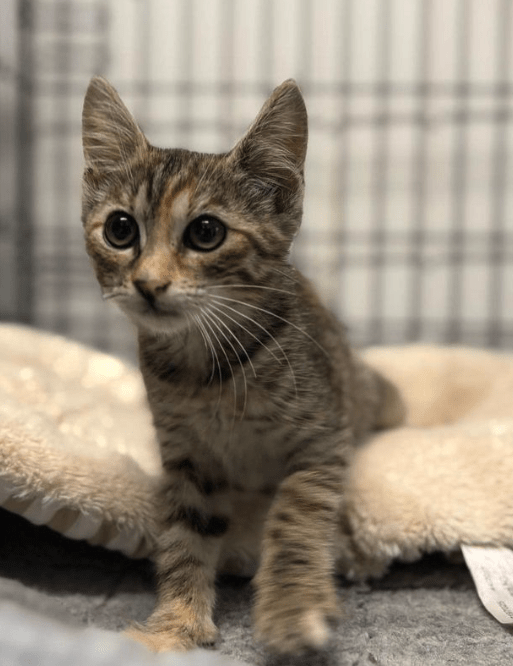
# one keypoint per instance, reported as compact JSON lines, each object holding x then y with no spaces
{"x":273,"y":150}
{"x":110,"y":135}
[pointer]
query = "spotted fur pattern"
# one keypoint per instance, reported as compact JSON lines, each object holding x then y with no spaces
{"x":257,"y":399}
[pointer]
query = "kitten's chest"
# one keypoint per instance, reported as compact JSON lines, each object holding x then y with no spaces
{"x":253,"y":449}
{"x":247,"y":441}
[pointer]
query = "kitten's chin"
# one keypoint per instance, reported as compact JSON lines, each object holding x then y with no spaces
{"x":156,"y":322}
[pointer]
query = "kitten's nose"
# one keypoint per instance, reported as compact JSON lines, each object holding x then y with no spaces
{"x":150,"y":289}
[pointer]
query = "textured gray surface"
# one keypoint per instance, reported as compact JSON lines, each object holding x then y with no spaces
{"x":50,"y":588}
{"x":31,"y":639}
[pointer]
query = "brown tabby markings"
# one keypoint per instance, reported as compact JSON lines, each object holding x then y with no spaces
{"x":257,"y":399}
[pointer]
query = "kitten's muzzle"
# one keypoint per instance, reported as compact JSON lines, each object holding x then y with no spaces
{"x":150,"y":290}
{"x":154,"y":300}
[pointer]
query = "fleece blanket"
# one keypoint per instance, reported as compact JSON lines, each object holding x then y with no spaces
{"x":77,"y":454}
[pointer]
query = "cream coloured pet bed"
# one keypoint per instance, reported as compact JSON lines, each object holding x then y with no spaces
{"x":77,"y":451}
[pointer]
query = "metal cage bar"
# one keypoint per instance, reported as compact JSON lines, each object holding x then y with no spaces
{"x":408,"y":228}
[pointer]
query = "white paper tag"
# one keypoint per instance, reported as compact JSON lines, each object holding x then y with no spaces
{"x":492,"y":571}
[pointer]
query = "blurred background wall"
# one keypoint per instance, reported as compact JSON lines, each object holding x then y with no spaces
{"x":408,"y":228}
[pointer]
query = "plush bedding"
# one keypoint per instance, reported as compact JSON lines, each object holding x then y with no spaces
{"x":77,"y":455}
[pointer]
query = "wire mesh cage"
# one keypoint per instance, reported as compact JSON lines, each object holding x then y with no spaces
{"x":408,"y":226}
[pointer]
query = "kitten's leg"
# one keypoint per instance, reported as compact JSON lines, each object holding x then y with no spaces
{"x":296,"y":597}
{"x":186,"y":560}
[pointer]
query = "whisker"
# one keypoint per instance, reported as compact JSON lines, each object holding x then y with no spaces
{"x":225,"y":325}
{"x":273,"y":314}
{"x":248,"y":286}
{"x":214,"y":318}
{"x":253,"y":321}
{"x":111,"y":294}
{"x":289,"y":277}
{"x":214,"y":307}
{"x":208,"y":343}
{"x":256,"y":323}
{"x":201,"y":325}
{"x":189,"y":328}
{"x":206,"y":320}
{"x":218,"y":309}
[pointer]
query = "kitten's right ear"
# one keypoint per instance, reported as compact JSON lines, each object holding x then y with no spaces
{"x":273,"y":150}
{"x":110,"y":135}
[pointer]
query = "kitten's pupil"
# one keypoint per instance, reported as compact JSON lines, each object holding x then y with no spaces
{"x":121,"y":230}
{"x":204,"y":234}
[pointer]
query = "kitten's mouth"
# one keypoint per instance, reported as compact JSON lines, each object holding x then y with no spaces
{"x":158,"y":319}
{"x":149,"y":304}
{"x":153,"y":315}
{"x":161,"y":312}
{"x":150,"y":313}
{"x":151,"y":307}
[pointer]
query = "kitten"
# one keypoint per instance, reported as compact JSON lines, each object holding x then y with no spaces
{"x":257,"y":399}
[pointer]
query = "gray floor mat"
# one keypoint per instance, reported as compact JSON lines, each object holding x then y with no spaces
{"x":51,"y":588}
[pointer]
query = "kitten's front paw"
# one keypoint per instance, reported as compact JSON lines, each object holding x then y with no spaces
{"x":167,"y":637}
{"x":294,"y":630}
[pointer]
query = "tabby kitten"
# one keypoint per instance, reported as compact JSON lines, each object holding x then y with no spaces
{"x":257,"y":399}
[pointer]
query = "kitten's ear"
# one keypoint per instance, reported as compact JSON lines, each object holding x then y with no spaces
{"x":273,"y":150}
{"x":110,"y":135}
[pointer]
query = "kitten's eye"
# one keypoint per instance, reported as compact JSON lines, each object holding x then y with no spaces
{"x":121,"y":230}
{"x":204,"y":234}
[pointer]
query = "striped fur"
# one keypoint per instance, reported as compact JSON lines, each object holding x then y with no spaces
{"x":256,"y":397}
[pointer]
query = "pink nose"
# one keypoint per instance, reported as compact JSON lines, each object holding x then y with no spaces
{"x":151,"y":289}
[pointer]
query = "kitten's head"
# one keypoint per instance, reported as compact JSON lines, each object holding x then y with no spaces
{"x":165,"y":227}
